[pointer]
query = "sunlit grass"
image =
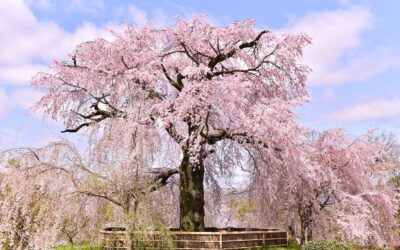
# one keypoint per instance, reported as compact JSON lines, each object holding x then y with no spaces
{"x":81,"y":246}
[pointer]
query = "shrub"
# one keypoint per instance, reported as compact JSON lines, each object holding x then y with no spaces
{"x":292,"y":243}
{"x":326,"y":245}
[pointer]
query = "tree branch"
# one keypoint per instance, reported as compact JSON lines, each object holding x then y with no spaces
{"x":176,"y":84}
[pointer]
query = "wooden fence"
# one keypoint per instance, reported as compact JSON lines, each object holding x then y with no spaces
{"x":221,"y":239}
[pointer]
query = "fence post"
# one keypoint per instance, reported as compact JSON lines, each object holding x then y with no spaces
{"x":287,"y":239}
{"x":263,"y":238}
{"x":220,"y":240}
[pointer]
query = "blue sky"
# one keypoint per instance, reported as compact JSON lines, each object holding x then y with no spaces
{"x":354,"y":55}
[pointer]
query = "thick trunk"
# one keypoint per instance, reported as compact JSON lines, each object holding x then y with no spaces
{"x":191,"y":186}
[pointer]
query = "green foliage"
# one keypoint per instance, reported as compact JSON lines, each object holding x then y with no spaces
{"x":144,"y":239}
{"x":326,"y":245}
{"x":109,"y":212}
{"x":81,"y":246}
{"x":243,"y":207}
{"x":148,"y":230}
{"x":273,"y":248}
{"x":281,"y":248}
{"x":292,"y":243}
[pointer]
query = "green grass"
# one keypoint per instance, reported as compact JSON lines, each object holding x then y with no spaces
{"x":80,"y":246}
{"x":282,"y":248}
{"x":275,"y":248}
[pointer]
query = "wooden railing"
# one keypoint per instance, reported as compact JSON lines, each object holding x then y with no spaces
{"x":199,"y":240}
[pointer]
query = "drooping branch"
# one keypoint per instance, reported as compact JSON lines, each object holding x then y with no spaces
{"x":97,"y":115}
{"x":102,"y":196}
{"x":76,"y":129}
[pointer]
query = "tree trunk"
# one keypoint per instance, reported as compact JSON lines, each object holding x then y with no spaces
{"x":302,"y":233}
{"x":129,"y":240}
{"x":309,"y":234}
{"x":70,"y":239}
{"x":191,"y":186}
{"x":130,"y":217}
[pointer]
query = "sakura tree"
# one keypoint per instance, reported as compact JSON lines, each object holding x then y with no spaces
{"x":37,"y":207}
{"x":202,"y":84}
{"x":335,"y":192}
{"x":54,"y":194}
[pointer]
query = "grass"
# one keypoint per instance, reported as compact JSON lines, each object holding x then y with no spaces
{"x":80,"y":246}
{"x":275,"y":248}
{"x":281,"y":248}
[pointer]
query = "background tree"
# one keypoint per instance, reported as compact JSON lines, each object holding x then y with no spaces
{"x":73,"y":196}
{"x":37,"y":206}
{"x":335,"y":189}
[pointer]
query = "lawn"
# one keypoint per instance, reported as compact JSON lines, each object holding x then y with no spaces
{"x":80,"y":246}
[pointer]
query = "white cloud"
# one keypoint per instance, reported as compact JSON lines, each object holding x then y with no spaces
{"x":28,"y":41}
{"x":336,"y":39}
{"x":9,"y":137}
{"x":20,"y":74}
{"x":344,"y":2}
{"x":30,"y":44}
{"x":42,"y":4}
{"x":4,"y":104}
{"x":159,"y":18}
{"x":25,"y":97}
{"x":137,"y":15}
{"x":328,"y":95}
{"x":371,"y":110}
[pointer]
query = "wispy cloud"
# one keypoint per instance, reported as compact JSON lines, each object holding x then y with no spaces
{"x":371,"y":110}
{"x":344,"y":2}
{"x":136,"y":15}
{"x":337,"y":40}
{"x":328,"y":95}
{"x":41,"y":4}
{"x":87,"y":6}
{"x":23,"y":97}
{"x":4,"y":104}
{"x":9,"y":137}
{"x":19,"y":74}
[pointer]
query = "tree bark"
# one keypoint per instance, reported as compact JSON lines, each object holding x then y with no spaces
{"x":129,"y":240}
{"x":309,"y":234}
{"x":191,"y":186}
{"x":130,"y":223}
{"x":302,"y":232}
{"x":70,"y":240}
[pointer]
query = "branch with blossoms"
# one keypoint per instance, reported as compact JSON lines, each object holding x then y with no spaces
{"x":215,"y":60}
{"x":97,"y":115}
